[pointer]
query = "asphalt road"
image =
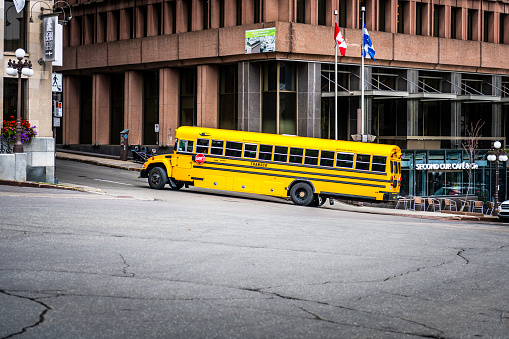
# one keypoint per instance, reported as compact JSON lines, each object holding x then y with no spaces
{"x":128,"y":261}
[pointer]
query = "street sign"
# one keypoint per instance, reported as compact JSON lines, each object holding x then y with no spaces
{"x":156,"y":128}
{"x":199,"y":158}
{"x":56,"y":84}
{"x":57,"y":112}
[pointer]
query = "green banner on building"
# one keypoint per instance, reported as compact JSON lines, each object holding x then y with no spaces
{"x":261,"y":40}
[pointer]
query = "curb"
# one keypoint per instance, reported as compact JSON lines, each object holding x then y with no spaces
{"x":37,"y":185}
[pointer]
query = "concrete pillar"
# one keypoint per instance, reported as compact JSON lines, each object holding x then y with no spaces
{"x":168,"y":105}
{"x":309,"y":100}
{"x":71,"y":111}
{"x":270,"y":10}
{"x":133,"y":106}
{"x":249,"y":101}
{"x":207,"y":93}
{"x":100,"y":110}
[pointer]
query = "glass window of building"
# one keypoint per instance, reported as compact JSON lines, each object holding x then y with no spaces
{"x":116,"y":107}
{"x":322,"y":12}
{"x":11,"y":98}
{"x":188,"y":104}
{"x":488,"y":27}
{"x":342,"y":13}
{"x":279,"y":98}
{"x":150,"y":106}
{"x":389,"y":119}
{"x":14,"y":27}
{"x":401,"y":16}
{"x":455,"y":22}
{"x":504,"y":29}
{"x":257,"y":11}
{"x":438,"y":23}
{"x":431,"y":82}
{"x":472,"y":24}
{"x":85,"y":110}
{"x":228,"y":116}
{"x":381,"y":15}
{"x":301,"y":11}
{"x":418,"y":17}
{"x":221,"y":13}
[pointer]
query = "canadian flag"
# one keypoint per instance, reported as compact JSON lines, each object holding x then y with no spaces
{"x":339,"y":39}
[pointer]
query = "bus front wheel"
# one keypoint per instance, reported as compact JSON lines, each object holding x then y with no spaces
{"x":302,"y":194}
{"x":157,"y":178}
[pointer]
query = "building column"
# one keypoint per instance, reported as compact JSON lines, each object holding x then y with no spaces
{"x":168,"y":105}
{"x":249,"y":100}
{"x":100,"y":110}
{"x":71,"y":111}
{"x":133,"y":106}
{"x":412,"y":104}
{"x":309,"y":100}
{"x":207,"y":93}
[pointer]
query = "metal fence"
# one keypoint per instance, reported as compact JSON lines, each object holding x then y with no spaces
{"x":6,"y":145}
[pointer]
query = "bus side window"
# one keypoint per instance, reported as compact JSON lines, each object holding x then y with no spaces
{"x":233,"y":149}
{"x":379,"y":163}
{"x":393,"y":168}
{"x":265,"y":152}
{"x":399,"y":167}
{"x":327,"y":159}
{"x":296,"y":155}
{"x":182,"y":145}
{"x":344,"y":160}
{"x":250,"y":151}
{"x":202,"y":146}
{"x":186,"y":146}
{"x":216,"y":147}
{"x":311,"y":157}
{"x":280,"y":153}
{"x":362,"y":162}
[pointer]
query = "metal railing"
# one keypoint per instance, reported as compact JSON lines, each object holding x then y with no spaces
{"x":6,"y":145}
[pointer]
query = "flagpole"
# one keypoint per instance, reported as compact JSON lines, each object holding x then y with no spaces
{"x":335,"y":81}
{"x":362,"y":76}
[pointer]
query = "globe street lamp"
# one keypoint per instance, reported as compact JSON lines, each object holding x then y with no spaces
{"x":496,"y":155}
{"x":18,"y":68}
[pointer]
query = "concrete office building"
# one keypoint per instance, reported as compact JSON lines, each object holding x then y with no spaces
{"x":37,"y":162}
{"x":440,"y":66}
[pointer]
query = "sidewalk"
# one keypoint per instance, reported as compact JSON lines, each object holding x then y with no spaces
{"x":100,"y":161}
{"x":135,"y":166}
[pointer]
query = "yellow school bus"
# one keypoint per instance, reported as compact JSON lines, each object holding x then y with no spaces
{"x":308,"y":170}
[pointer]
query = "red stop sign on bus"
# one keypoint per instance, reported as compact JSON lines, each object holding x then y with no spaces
{"x":199,"y":158}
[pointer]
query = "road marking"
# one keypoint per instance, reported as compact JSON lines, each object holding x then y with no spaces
{"x":114,"y":182}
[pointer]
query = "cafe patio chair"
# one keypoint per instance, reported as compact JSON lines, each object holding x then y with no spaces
{"x":465,"y":205}
{"x":419,"y":201}
{"x":478,"y":205}
{"x":433,"y":203}
{"x":489,"y":208}
{"x":405,"y":201}
{"x":449,"y":203}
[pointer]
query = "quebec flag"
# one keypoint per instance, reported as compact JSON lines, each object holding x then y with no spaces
{"x":368,"y":45}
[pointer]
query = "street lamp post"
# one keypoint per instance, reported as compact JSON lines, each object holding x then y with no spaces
{"x":17,"y":68}
{"x":496,"y":155}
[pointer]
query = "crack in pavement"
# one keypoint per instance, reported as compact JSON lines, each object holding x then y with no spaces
{"x":124,"y":270}
{"x":317,"y":317}
{"x":37,"y":323}
{"x":460,"y":254}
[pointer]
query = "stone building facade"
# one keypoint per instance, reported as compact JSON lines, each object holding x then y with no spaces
{"x":37,"y":163}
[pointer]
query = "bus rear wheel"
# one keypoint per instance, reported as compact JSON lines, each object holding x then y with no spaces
{"x":157,"y":178}
{"x":302,"y":194}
